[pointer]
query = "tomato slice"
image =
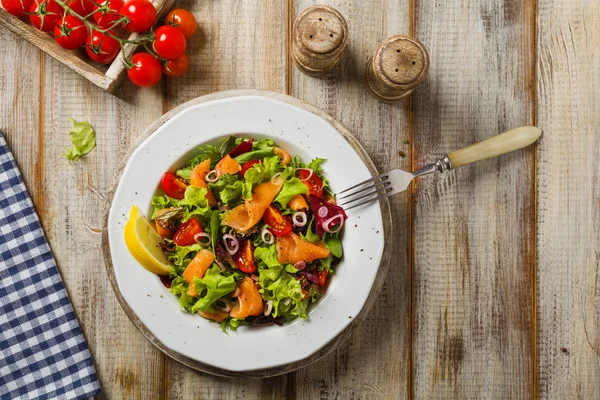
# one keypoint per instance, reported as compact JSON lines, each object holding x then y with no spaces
{"x":184,"y":236}
{"x":247,"y":166}
{"x":314,"y":184}
{"x":244,"y":258}
{"x":322,"y":277}
{"x":279,"y":224}
{"x":173,"y":185}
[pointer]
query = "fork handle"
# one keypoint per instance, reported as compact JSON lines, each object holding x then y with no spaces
{"x":503,"y":143}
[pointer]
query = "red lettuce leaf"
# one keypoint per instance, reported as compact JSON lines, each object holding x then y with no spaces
{"x":332,"y":210}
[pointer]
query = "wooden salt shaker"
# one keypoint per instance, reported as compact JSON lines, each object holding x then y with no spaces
{"x":320,"y":35}
{"x":400,"y":63}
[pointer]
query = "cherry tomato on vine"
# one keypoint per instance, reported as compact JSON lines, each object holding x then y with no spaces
{"x":244,"y":258}
{"x":177,"y":67}
{"x":183,"y":20}
{"x":313,"y":183}
{"x":101,"y":47}
{"x":81,"y":7}
{"x":169,"y":43}
{"x":70,"y":32}
{"x":146,"y":71}
{"x":106,"y":18}
{"x":18,"y":8}
{"x":44,"y":14}
{"x":76,"y":6}
{"x":279,"y":224}
{"x":141,"y":15}
{"x":185,"y":234}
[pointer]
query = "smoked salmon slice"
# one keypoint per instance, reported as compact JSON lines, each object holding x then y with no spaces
{"x":228,"y":165}
{"x":291,"y":249}
{"x":249,"y":300}
{"x":245,"y":216}
{"x":197,"y":178}
{"x":218,"y":316}
{"x":197,"y":268}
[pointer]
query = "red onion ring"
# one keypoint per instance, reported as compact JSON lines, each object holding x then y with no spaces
{"x":208,"y":179}
{"x":236,"y":245}
{"x":311,"y":172}
{"x":287,"y":302}
{"x":323,"y":211}
{"x":300,"y":265}
{"x":227,"y":307}
{"x":197,"y":237}
{"x":268,"y":308}
{"x":276,"y":179}
{"x":328,"y":222}
{"x":254,"y":277}
{"x":236,"y":292}
{"x":267,"y":233}
{"x":299,"y":219}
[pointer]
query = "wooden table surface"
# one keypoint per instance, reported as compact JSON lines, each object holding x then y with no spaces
{"x":494,"y":288}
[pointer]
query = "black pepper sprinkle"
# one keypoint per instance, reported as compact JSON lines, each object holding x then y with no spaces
{"x":361,"y":249}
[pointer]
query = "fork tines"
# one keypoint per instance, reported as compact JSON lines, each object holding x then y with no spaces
{"x":365,"y":192}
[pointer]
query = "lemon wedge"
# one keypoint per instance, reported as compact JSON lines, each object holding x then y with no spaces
{"x":142,"y":241}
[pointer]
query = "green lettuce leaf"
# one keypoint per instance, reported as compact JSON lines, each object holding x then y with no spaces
{"x":228,"y":189}
{"x":334,"y":244}
{"x":254,"y":155}
{"x":179,"y":288}
{"x":83,"y":138}
{"x":160,"y":202}
{"x":182,"y":255}
{"x":212,"y":287}
{"x":310,"y":236}
{"x":263,"y":144}
{"x":278,"y":285}
{"x":232,"y":324}
{"x":228,"y":145}
{"x":291,"y":187}
{"x":195,"y":204}
{"x":325,"y":264}
{"x":215,"y":227}
{"x":316,"y":164}
{"x":259,"y":173}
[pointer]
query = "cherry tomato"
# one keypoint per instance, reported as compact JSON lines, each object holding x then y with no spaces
{"x":170,"y":42}
{"x":18,"y":8}
{"x":322,"y":275}
{"x":102,"y":48}
{"x":146,"y":70}
{"x":106,"y":18}
{"x":70,"y":32}
{"x":82,"y":7}
{"x":247,"y":166}
{"x":244,"y":258}
{"x":279,"y":224}
{"x":173,"y":185}
{"x":314,"y":183}
{"x":76,"y":6}
{"x":184,"y":235}
{"x":177,"y":67}
{"x":183,"y":20}
{"x":44,"y":14}
{"x":141,"y":15}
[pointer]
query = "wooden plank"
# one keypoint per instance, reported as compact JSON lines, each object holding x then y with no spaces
{"x":239,"y":44}
{"x":128,"y":365}
{"x":568,"y":223}
{"x":374,"y":362}
{"x":20,"y":107}
{"x":474,"y":227}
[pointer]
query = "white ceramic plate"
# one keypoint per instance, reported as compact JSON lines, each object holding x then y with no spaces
{"x":248,"y":349}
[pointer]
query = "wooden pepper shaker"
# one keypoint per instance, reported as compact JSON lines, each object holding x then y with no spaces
{"x":320,"y":35}
{"x":400,"y":63}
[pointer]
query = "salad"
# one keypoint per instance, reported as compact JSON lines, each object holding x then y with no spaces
{"x":251,"y":234}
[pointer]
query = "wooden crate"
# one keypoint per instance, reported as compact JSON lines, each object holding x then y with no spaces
{"x":107,"y":77}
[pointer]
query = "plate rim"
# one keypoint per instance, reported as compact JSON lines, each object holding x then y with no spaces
{"x":332,"y":344}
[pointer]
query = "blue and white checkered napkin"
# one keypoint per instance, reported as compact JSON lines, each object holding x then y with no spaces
{"x":43,"y":353}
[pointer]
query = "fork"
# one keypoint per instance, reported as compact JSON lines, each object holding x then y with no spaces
{"x":395,"y":181}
